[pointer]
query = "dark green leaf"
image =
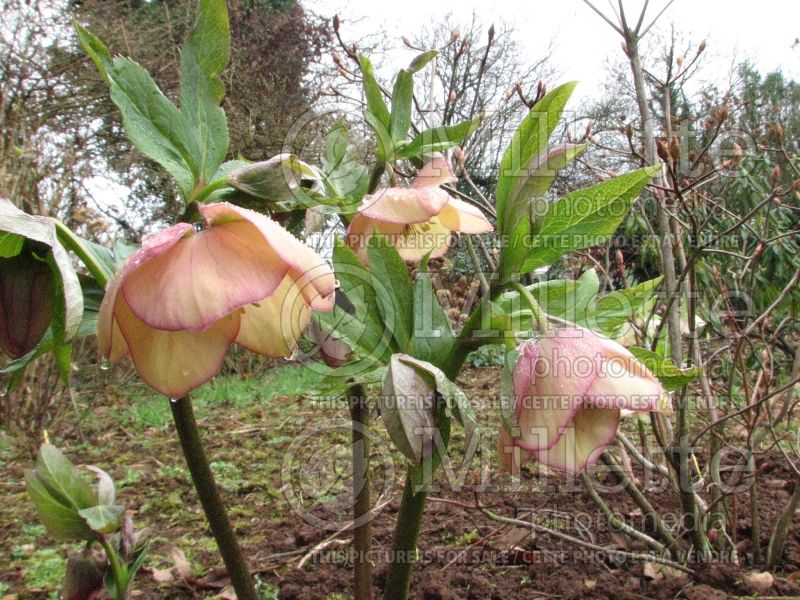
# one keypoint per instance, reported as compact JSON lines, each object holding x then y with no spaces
{"x":421,"y":60}
{"x":61,"y":521}
{"x":402,"y":100}
{"x":203,"y":58}
{"x":432,"y":335}
{"x":65,"y":483}
{"x":372,"y":91}
{"x":396,"y":306}
{"x":613,"y":310}
{"x":10,"y":244}
{"x":585,"y":218}
{"x":531,"y":137}
{"x":439,"y":139}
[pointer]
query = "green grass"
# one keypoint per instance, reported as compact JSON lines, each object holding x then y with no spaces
{"x":44,"y":569}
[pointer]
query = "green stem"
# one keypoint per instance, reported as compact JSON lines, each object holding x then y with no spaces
{"x":209,"y":189}
{"x":538,"y":314}
{"x":120,"y":576}
{"x":404,"y":549}
{"x":362,"y":567}
{"x":203,"y":479}
{"x":68,"y":239}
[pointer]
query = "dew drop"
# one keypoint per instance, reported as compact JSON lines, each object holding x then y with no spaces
{"x":198,"y":227}
{"x":292,"y":356}
{"x":105,"y":364}
{"x":336,"y":285}
{"x":174,"y":400}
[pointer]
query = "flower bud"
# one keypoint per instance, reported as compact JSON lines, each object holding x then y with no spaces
{"x":776,"y":175}
{"x":675,"y":149}
{"x":279,"y":179}
{"x":27,"y":297}
{"x":663,"y":150}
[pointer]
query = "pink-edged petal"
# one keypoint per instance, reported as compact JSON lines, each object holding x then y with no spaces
{"x":362,"y":228}
{"x":309,"y":269}
{"x":509,"y":455}
{"x":204,"y":277}
{"x":272,"y":326}
{"x":109,"y":342}
{"x":434,"y":173}
{"x":565,"y":367}
{"x":404,"y":205}
{"x":175,"y":362}
{"x":589,"y":434}
{"x":464,"y":218}
{"x":619,"y":387}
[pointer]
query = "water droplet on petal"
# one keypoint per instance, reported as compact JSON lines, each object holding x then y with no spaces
{"x":198,"y":227}
{"x":174,"y":400}
{"x":336,"y":285}
{"x":105,"y":364}
{"x":292,"y":356}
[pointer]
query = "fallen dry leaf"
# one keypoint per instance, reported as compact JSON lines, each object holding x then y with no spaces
{"x":761,"y":582}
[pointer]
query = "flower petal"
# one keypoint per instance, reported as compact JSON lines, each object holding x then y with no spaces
{"x":620,"y":388}
{"x":272,"y":326}
{"x":312,"y":273}
{"x":417,"y":240}
{"x":565,"y":367}
{"x":362,"y":228}
{"x":109,"y":341}
{"x":434,"y":173}
{"x":464,"y":218}
{"x":588,"y":435}
{"x":204,"y":277}
{"x":404,"y":205}
{"x":175,"y":362}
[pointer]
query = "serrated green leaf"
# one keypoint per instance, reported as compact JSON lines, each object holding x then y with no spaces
{"x":530,"y":138}
{"x":439,"y":139}
{"x":668,"y":373}
{"x":585,"y":218}
{"x":103,"y":518}
{"x":203,"y":58}
{"x":372,"y":91}
{"x":153,"y":124}
{"x":61,"y":520}
{"x":364,"y":330}
{"x":432,"y":336}
{"x":64,"y":482}
{"x":396,"y":307}
{"x":402,"y":100}
{"x":345,"y":177}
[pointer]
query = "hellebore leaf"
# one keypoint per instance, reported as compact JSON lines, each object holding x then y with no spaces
{"x":390,"y":270}
{"x":407,"y":403}
{"x":432,"y":336}
{"x":97,"y":259}
{"x":530,"y":138}
{"x":585,"y":218}
{"x":103,"y":518}
{"x":527,"y":203}
{"x":439,"y":138}
{"x":65,"y":483}
{"x":345,"y":177}
{"x":372,"y":91}
{"x":402,"y":99}
{"x":204,"y":56}
{"x":359,"y":322}
{"x":61,"y":521}
{"x":668,"y":373}
{"x":153,"y":124}
{"x":616,"y":308}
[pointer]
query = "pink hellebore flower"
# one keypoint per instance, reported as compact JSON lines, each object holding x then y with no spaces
{"x":180,"y":301}
{"x":570,"y":388}
{"x":418,"y":219}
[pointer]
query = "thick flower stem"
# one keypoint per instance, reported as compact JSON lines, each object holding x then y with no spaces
{"x":203,"y":479}
{"x":404,"y":549}
{"x":362,"y":567}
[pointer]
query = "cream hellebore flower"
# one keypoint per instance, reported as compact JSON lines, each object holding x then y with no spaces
{"x":571,"y":386}
{"x":191,"y":291}
{"x":418,"y":219}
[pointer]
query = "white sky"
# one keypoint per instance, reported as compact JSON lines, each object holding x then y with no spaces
{"x":763,"y":31}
